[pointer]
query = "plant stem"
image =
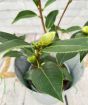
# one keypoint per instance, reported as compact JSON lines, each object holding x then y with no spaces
{"x":66,"y":100}
{"x":24,"y":97}
{"x":41,"y":16}
{"x":66,"y":7}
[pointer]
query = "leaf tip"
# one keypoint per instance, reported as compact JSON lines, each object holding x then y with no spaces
{"x":13,"y":21}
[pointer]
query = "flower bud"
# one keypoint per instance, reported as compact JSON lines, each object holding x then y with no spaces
{"x":31,"y":59}
{"x":85,"y":29}
{"x":46,"y":39}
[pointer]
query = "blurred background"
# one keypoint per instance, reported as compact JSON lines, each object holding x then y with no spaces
{"x":11,"y":91}
{"x":76,"y":15}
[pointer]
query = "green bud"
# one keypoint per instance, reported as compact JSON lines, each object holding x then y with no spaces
{"x":46,"y":39}
{"x":85,"y":29}
{"x":31,"y":59}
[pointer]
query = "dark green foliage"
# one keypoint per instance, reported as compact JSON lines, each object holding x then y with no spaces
{"x":47,"y":73}
{"x":48,"y":79}
{"x":24,"y":14}
{"x":49,"y":2}
{"x":50,"y":19}
{"x":16,"y":54}
{"x":36,"y":2}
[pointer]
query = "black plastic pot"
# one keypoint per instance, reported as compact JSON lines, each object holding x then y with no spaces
{"x":22,"y":66}
{"x":74,"y":66}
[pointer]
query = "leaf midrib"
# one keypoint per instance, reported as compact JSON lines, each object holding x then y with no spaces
{"x":49,"y":81}
{"x":80,"y":50}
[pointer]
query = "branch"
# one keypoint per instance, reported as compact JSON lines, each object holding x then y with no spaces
{"x":67,"y":5}
{"x":41,"y":16}
{"x":66,"y":100}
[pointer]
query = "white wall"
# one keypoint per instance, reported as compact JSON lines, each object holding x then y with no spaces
{"x":76,"y":15}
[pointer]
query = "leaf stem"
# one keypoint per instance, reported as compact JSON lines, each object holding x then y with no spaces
{"x":41,"y":16}
{"x":66,"y":7}
{"x":66,"y":100}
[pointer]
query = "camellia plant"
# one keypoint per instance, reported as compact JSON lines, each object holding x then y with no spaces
{"x":46,"y":56}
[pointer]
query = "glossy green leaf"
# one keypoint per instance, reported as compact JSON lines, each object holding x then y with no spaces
{"x":50,"y":19}
{"x":73,"y":28}
{"x":13,"y":44}
{"x":86,"y":24}
{"x":36,"y":2}
{"x":47,"y":58}
{"x":62,"y":57}
{"x":27,"y":51}
{"x":16,"y":54}
{"x":24,"y":14}
{"x":66,"y":74}
{"x":6,"y":36}
{"x":68,"y":46}
{"x":48,"y":79}
{"x":22,"y":37}
{"x":49,"y":2}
